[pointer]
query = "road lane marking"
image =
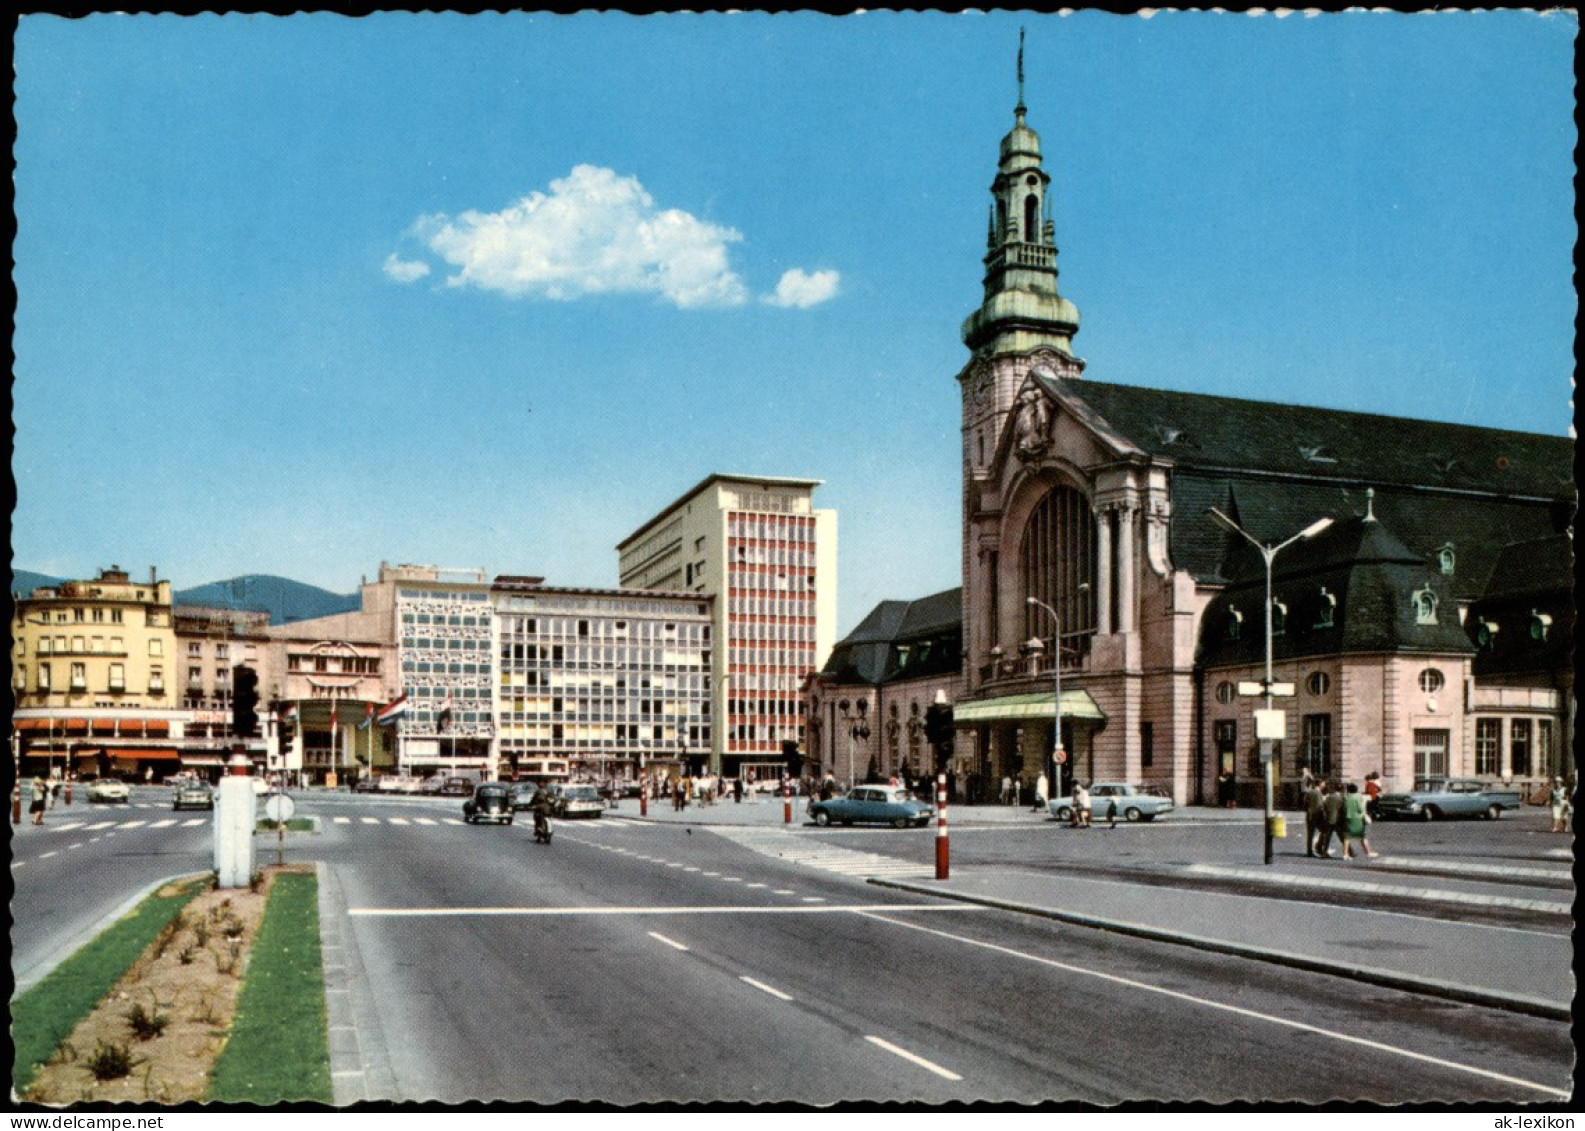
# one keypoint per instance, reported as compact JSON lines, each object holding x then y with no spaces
{"x":46,"y":855}
{"x":131,"y":824}
{"x":370,"y":820}
{"x":67,"y":827}
{"x":165,"y":824}
{"x":1179,"y":995}
{"x":708,"y":909}
{"x":69,"y":847}
{"x":915,"y":1058}
{"x":341,"y":820}
{"x":731,"y":879}
{"x":194,"y":821}
{"x":784,"y":891}
{"x":673,"y":943}
{"x":100,"y":825}
{"x":1356,"y":886}
{"x":396,"y":820}
{"x":18,"y":863}
{"x":814,"y":899}
{"x":756,"y":885}
{"x":758,"y":985}
{"x":426,"y":820}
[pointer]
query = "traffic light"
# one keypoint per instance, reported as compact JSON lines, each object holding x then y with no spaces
{"x":938,"y":732}
{"x":244,"y":701}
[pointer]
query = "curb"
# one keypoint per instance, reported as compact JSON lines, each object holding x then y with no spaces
{"x":1513,"y":1003}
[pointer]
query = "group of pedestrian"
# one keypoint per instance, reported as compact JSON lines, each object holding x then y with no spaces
{"x":1332,"y":808}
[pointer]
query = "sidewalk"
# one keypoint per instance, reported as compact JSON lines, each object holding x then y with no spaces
{"x":1481,"y":965}
{"x":767,"y":810}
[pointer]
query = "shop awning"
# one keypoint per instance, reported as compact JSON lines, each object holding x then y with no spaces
{"x":77,"y":725}
{"x":145,"y":754}
{"x":30,"y":726}
{"x":156,"y":726}
{"x":202,"y":760}
{"x":1076,"y":704}
{"x":104,"y":726}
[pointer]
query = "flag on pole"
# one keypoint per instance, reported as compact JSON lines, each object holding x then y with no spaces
{"x":444,"y":719}
{"x":333,"y":706}
{"x":368,"y":718}
{"x":391,"y":711}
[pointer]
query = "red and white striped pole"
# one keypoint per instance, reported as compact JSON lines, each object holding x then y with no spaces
{"x":786,"y":801}
{"x":942,"y":852}
{"x":643,"y":797}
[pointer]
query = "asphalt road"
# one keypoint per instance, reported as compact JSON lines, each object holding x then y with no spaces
{"x":645,"y":963}
{"x":635,"y":963}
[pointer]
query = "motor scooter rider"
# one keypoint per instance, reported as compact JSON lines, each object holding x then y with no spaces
{"x":540,"y":806}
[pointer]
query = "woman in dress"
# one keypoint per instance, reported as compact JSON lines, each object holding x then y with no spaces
{"x":1356,"y":822}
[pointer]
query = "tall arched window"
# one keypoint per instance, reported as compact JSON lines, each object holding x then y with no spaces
{"x":1059,"y":568}
{"x":1031,"y":219}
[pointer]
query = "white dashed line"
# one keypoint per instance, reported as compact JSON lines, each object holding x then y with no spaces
{"x":131,"y":824}
{"x":342,"y":820}
{"x":165,"y":824}
{"x":914,"y":1058}
{"x":46,"y":855}
{"x":396,"y":820}
{"x":772,"y":990}
{"x":669,"y":942}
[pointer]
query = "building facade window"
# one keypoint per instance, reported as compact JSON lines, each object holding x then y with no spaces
{"x":1318,"y":745}
{"x":156,"y":646}
{"x":1430,"y":753}
{"x":118,"y":677}
{"x":1519,"y":748}
{"x":44,"y":677}
{"x":1326,"y":610}
{"x":1279,"y":618}
{"x":1147,"y":745}
{"x":79,"y":677}
{"x":1488,"y":746}
{"x":1226,"y":692}
{"x":1318,"y":683}
{"x":1424,"y":602}
{"x":1431,"y":681}
{"x":1058,"y":562}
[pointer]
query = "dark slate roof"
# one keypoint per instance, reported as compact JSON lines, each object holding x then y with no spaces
{"x":1524,"y":569}
{"x":901,"y":640}
{"x":1370,"y":573}
{"x":1275,"y":468}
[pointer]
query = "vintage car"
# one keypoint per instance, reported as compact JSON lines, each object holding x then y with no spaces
{"x":873,"y":804}
{"x":491,"y":801}
{"x":522,"y":794}
{"x":193,"y":795}
{"x":1133,"y":802}
{"x":1434,"y":798}
{"x":109,"y":790}
{"x":576,"y":800}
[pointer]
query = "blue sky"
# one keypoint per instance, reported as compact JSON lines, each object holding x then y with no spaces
{"x":299,"y":295}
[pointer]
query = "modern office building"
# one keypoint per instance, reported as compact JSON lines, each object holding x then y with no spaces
{"x":768,"y":557}
{"x":601,"y":683}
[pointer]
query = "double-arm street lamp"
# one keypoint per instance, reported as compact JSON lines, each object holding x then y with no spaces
{"x":858,"y":728}
{"x":1268,"y":552}
{"x":1057,"y":754}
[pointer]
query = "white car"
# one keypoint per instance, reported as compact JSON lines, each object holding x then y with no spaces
{"x":109,"y":790}
{"x":1134,"y":802}
{"x":576,"y":801}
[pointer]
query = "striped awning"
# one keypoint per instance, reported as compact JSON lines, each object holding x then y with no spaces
{"x":1076,"y":704}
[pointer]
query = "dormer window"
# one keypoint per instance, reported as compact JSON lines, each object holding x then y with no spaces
{"x":1540,"y":625}
{"x":1279,"y":617}
{"x":1317,"y":453}
{"x":1235,"y":622}
{"x":1326,"y":611}
{"x":1424,"y":602}
{"x":1486,"y":633}
{"x":1445,"y":560}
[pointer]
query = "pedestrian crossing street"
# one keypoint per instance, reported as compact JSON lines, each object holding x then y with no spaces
{"x":822,"y":856}
{"x":432,"y":821}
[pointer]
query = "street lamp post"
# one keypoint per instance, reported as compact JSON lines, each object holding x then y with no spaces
{"x":1268,"y":553}
{"x":1057,"y":754}
{"x":858,"y":727}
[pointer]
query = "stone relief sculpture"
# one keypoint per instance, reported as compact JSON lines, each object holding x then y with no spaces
{"x":1034,"y":425}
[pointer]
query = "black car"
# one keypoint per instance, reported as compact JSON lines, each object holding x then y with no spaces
{"x":491,"y":801}
{"x":457,"y":787}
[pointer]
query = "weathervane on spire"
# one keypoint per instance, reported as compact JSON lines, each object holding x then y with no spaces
{"x":1020,"y":108}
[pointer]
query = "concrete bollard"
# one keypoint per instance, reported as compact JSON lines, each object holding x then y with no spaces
{"x":234,"y":822}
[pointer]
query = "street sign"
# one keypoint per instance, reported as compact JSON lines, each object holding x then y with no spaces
{"x":1258,"y":687}
{"x":1062,"y":757}
{"x":279,"y":808}
{"x":1270,"y":725}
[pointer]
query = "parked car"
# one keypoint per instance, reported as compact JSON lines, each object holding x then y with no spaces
{"x":1433,"y":798}
{"x":193,"y":795}
{"x":109,"y":790}
{"x":366,"y":785}
{"x":491,"y":801}
{"x":522,"y":794}
{"x":457,"y":787}
{"x":873,"y":804}
{"x":432,"y":785}
{"x":1135,"y":802}
{"x":576,"y":801}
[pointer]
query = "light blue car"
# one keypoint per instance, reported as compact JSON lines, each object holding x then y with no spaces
{"x":1133,"y":802}
{"x":873,"y":804}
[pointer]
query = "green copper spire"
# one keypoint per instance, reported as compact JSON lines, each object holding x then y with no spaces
{"x":1022,"y":309}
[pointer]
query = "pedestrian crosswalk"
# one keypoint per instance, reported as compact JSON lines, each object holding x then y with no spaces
{"x":138,"y":823}
{"x":823,"y":856}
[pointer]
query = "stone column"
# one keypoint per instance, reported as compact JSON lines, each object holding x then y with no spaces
{"x":1103,"y":571}
{"x":1127,"y":565}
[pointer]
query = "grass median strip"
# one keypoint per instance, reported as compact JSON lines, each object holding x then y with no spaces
{"x":278,"y":1050}
{"x":46,"y":1015}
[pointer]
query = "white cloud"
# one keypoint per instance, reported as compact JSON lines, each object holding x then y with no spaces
{"x":404,"y":270}
{"x":801,"y":289}
{"x":595,"y":232}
